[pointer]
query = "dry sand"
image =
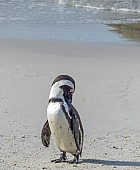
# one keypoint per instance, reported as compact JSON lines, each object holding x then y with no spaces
{"x":107,"y":97}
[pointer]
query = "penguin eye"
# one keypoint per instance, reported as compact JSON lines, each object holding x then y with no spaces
{"x":71,"y":91}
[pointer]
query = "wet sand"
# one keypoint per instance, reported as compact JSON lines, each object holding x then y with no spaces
{"x":107,"y":97}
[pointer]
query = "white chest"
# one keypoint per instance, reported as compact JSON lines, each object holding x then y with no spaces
{"x":60,"y":128}
{"x":56,"y":116}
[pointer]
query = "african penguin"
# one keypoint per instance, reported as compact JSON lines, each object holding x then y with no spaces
{"x":64,"y":122}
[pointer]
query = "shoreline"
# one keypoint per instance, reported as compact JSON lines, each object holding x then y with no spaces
{"x":79,"y":33}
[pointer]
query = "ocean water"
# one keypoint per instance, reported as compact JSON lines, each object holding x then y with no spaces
{"x":22,"y":18}
{"x":69,"y":11}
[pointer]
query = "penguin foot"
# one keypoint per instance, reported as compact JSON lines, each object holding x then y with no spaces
{"x":62,"y":158}
{"x":75,"y":160}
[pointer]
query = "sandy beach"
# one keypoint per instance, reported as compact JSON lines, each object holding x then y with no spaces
{"x":107,"y":97}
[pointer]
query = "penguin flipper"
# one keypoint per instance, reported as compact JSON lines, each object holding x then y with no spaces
{"x":77,"y":129}
{"x":46,"y":134}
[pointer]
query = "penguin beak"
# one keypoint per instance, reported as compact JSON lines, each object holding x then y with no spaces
{"x":67,"y":93}
{"x":70,"y":97}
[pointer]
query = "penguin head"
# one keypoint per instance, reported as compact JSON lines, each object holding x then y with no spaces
{"x":62,"y":87}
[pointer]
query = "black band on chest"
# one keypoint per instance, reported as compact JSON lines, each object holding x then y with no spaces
{"x":53,"y":99}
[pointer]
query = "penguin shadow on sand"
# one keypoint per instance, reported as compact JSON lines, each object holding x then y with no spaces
{"x":111,"y":163}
